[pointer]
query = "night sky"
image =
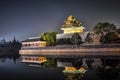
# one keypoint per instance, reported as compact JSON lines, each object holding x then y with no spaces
{"x":29,"y":18}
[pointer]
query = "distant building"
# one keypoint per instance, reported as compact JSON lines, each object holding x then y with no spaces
{"x":3,"y":41}
{"x":33,"y":42}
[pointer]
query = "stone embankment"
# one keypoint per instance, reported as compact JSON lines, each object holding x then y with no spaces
{"x":73,"y":52}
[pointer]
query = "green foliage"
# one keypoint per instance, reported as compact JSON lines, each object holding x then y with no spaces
{"x":76,"y":39}
{"x":103,"y":28}
{"x":109,"y":37}
{"x":106,"y":32}
{"x":50,"y":37}
{"x":51,"y":63}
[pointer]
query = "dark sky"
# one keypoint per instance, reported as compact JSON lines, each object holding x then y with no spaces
{"x":28,"y":18}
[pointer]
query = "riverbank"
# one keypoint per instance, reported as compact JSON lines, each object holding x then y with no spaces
{"x":71,"y":51}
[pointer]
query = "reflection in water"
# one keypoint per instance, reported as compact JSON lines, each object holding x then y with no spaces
{"x":71,"y":73}
{"x":97,"y":69}
{"x":73,"y":76}
{"x":33,"y":59}
{"x":37,"y":61}
{"x":77,"y":62}
{"x":109,"y":69}
{"x":11,"y":57}
{"x":107,"y":73}
{"x":90,"y":62}
{"x":104,"y":68}
{"x":50,"y":63}
{"x":2,"y":60}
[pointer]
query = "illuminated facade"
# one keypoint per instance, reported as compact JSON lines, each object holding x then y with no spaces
{"x":33,"y":42}
{"x":33,"y":59}
{"x":72,"y":26}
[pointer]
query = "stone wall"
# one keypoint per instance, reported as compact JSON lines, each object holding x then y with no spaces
{"x":76,"y":52}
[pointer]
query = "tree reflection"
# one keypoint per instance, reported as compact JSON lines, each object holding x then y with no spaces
{"x":108,"y":70}
{"x":77,"y":62}
{"x":50,"y":63}
{"x":89,"y":62}
{"x":110,"y":62}
{"x":2,"y":60}
{"x":11,"y":57}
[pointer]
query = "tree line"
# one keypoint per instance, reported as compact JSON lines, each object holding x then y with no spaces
{"x":108,"y":33}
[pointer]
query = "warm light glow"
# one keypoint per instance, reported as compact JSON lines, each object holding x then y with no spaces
{"x":72,"y":30}
{"x":70,"y":18}
{"x":70,"y":68}
{"x":34,"y":44}
{"x":82,"y":68}
{"x":42,"y":44}
{"x":34,"y":59}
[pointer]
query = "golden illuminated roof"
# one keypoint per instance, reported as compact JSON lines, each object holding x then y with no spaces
{"x":72,"y":22}
{"x":70,"y":68}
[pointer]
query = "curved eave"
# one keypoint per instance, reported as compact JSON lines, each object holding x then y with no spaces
{"x":73,"y":28}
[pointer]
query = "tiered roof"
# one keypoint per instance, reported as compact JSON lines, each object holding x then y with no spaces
{"x":72,"y":22}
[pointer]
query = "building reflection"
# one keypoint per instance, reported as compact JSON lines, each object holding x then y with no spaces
{"x":73,"y":77}
{"x":33,"y":59}
{"x":71,"y":73}
{"x":105,"y":69}
{"x":41,"y":61}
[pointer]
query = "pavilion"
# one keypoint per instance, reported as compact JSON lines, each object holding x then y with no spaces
{"x":33,"y":42}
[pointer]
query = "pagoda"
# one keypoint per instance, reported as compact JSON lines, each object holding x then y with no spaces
{"x":72,"y":25}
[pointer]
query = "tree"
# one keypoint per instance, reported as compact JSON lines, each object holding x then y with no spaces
{"x":109,"y":38}
{"x":104,"y":30}
{"x":63,"y":41}
{"x":75,"y":39}
{"x":50,"y":37}
{"x":88,"y":38}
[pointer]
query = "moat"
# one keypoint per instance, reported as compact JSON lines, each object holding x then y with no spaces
{"x":97,"y":69}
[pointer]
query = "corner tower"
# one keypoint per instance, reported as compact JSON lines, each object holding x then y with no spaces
{"x":72,"y":26}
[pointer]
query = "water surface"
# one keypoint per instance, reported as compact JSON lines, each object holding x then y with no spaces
{"x":11,"y":68}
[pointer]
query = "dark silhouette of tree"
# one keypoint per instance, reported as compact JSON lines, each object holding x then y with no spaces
{"x":88,"y":38}
{"x":107,"y":74}
{"x":63,"y":41}
{"x":76,"y":39}
{"x":108,"y":71}
{"x":104,"y":30}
